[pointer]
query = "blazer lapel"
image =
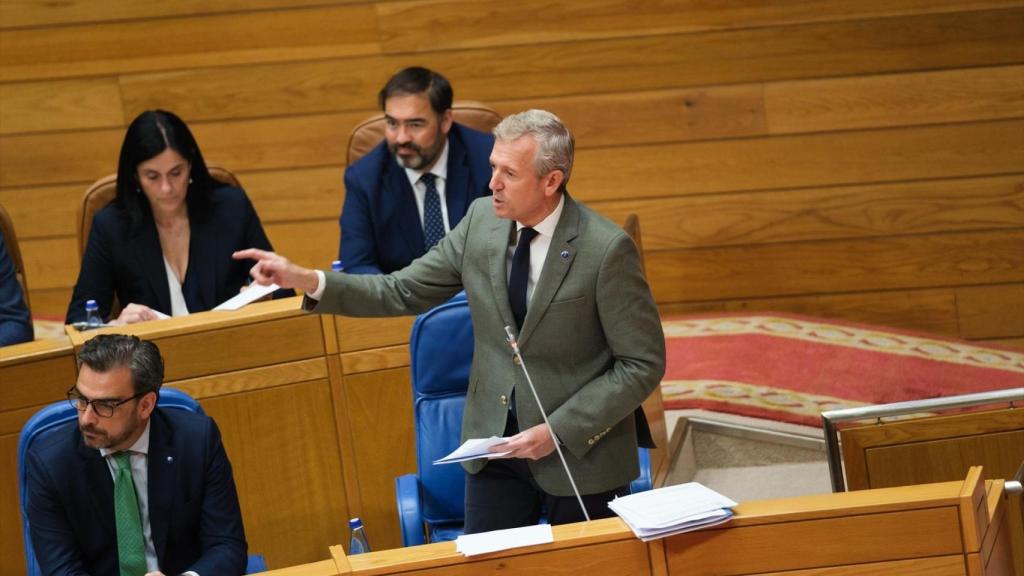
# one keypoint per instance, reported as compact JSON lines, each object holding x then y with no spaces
{"x":163,"y":473}
{"x":497,"y":247}
{"x":456,"y":191}
{"x":401,"y":200}
{"x":556,"y":265}
{"x":101,"y":486}
{"x":150,"y":260}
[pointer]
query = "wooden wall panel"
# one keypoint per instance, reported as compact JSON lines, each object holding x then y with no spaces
{"x":991,"y":311}
{"x":895,"y":99}
{"x":211,"y":40}
{"x":60,"y":105}
{"x":27,"y":13}
{"x":840,"y":266}
{"x":497,"y":23}
{"x":832,"y":158}
{"x":919,"y":207}
{"x":551,"y":67}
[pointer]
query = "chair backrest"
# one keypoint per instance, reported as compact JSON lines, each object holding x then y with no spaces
{"x":11,"y":243}
{"x":441,"y":349}
{"x":44,"y":422}
{"x":370,"y":132}
{"x":103,"y":191}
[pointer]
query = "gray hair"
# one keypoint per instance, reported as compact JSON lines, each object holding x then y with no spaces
{"x":107,"y":352}
{"x":555,"y":145}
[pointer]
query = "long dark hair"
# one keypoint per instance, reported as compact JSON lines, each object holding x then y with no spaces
{"x":148,"y":135}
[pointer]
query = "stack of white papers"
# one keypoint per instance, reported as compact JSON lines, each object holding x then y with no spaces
{"x":493,"y":541}
{"x":672,"y":510}
{"x":472,"y":449}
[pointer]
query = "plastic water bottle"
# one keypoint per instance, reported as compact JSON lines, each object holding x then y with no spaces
{"x":336,"y":266}
{"x":358,"y":543}
{"x":92,"y":314}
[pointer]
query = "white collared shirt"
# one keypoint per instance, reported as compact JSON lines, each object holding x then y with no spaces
{"x":419,"y":189}
{"x":538,"y":247}
{"x":139,"y":458}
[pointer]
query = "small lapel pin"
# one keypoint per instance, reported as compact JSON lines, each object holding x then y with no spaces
{"x":564,"y":254}
{"x":170,"y":459}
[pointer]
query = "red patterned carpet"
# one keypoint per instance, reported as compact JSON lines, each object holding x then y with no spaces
{"x":791,"y":368}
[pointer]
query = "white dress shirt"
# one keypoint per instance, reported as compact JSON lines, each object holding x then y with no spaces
{"x":538,"y":247}
{"x":178,"y":306}
{"x":419,"y":189}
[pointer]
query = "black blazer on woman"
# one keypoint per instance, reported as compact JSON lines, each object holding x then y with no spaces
{"x":131,"y":265}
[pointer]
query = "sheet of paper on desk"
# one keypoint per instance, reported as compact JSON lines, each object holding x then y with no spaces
{"x":160,"y":315}
{"x":472,"y":449}
{"x":251,"y":294}
{"x":473,"y":544}
{"x":672,"y":510}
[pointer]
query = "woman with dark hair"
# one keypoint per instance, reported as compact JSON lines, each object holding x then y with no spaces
{"x":164,"y":244}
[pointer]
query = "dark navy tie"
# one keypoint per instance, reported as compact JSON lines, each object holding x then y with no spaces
{"x":433,"y":222}
{"x":520,"y":275}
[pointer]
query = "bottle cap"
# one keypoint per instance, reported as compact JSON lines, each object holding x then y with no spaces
{"x":90,"y":305}
{"x":336,"y":266}
{"x":355,"y":523}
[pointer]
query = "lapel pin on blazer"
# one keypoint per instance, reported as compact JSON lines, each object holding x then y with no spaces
{"x":170,"y":459}
{"x":564,"y":254}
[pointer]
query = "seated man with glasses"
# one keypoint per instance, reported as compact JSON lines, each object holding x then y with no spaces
{"x":129,"y":488}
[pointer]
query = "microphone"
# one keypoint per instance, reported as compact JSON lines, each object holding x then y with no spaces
{"x":511,"y":339}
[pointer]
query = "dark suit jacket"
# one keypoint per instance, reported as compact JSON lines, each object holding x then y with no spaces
{"x":15,"y":321}
{"x":592,"y":337}
{"x":380,"y":225}
{"x":131,"y":266}
{"x":194,"y":514}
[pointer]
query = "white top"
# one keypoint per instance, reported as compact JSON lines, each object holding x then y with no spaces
{"x":178,"y":307}
{"x":419,"y":189}
{"x":538,"y":247}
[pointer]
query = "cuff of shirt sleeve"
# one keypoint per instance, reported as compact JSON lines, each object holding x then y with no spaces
{"x":321,"y":285}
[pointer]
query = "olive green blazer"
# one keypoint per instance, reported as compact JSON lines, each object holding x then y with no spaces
{"x":592,"y":338}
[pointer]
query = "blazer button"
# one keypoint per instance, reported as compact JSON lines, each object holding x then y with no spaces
{"x":504,"y":400}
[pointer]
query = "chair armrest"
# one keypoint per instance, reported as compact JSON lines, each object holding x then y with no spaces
{"x":410,"y":517}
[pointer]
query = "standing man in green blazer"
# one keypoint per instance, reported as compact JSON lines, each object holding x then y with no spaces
{"x":570,"y":283}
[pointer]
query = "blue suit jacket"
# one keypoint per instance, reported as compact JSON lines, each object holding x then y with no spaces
{"x":131,"y":266}
{"x":194,"y":514}
{"x":380,"y":225}
{"x":15,"y":321}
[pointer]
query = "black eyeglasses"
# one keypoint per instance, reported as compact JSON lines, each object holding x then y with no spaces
{"x":102,"y":408}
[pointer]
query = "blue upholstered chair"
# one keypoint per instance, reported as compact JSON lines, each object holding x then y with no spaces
{"x":58,"y":413}
{"x":431,"y":502}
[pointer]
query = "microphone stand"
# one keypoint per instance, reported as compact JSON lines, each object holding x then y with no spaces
{"x":511,"y":339}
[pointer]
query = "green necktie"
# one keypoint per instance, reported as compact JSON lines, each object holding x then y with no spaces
{"x":131,"y":550}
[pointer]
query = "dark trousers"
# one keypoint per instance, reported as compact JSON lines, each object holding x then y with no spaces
{"x":505,"y":495}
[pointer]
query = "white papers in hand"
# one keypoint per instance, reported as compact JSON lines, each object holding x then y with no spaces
{"x":473,"y":544}
{"x":672,"y":510}
{"x":251,"y":294}
{"x":472,"y":449}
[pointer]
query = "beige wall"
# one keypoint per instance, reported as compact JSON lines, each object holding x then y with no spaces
{"x":857,"y":160}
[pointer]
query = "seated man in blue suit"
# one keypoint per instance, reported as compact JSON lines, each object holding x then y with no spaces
{"x":409,"y":191}
{"x":129,"y":488}
{"x":15,"y":321}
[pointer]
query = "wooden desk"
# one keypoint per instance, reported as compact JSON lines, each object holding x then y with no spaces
{"x":952,"y":528}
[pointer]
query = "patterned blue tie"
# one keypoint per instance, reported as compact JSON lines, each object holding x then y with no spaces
{"x":433,"y":222}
